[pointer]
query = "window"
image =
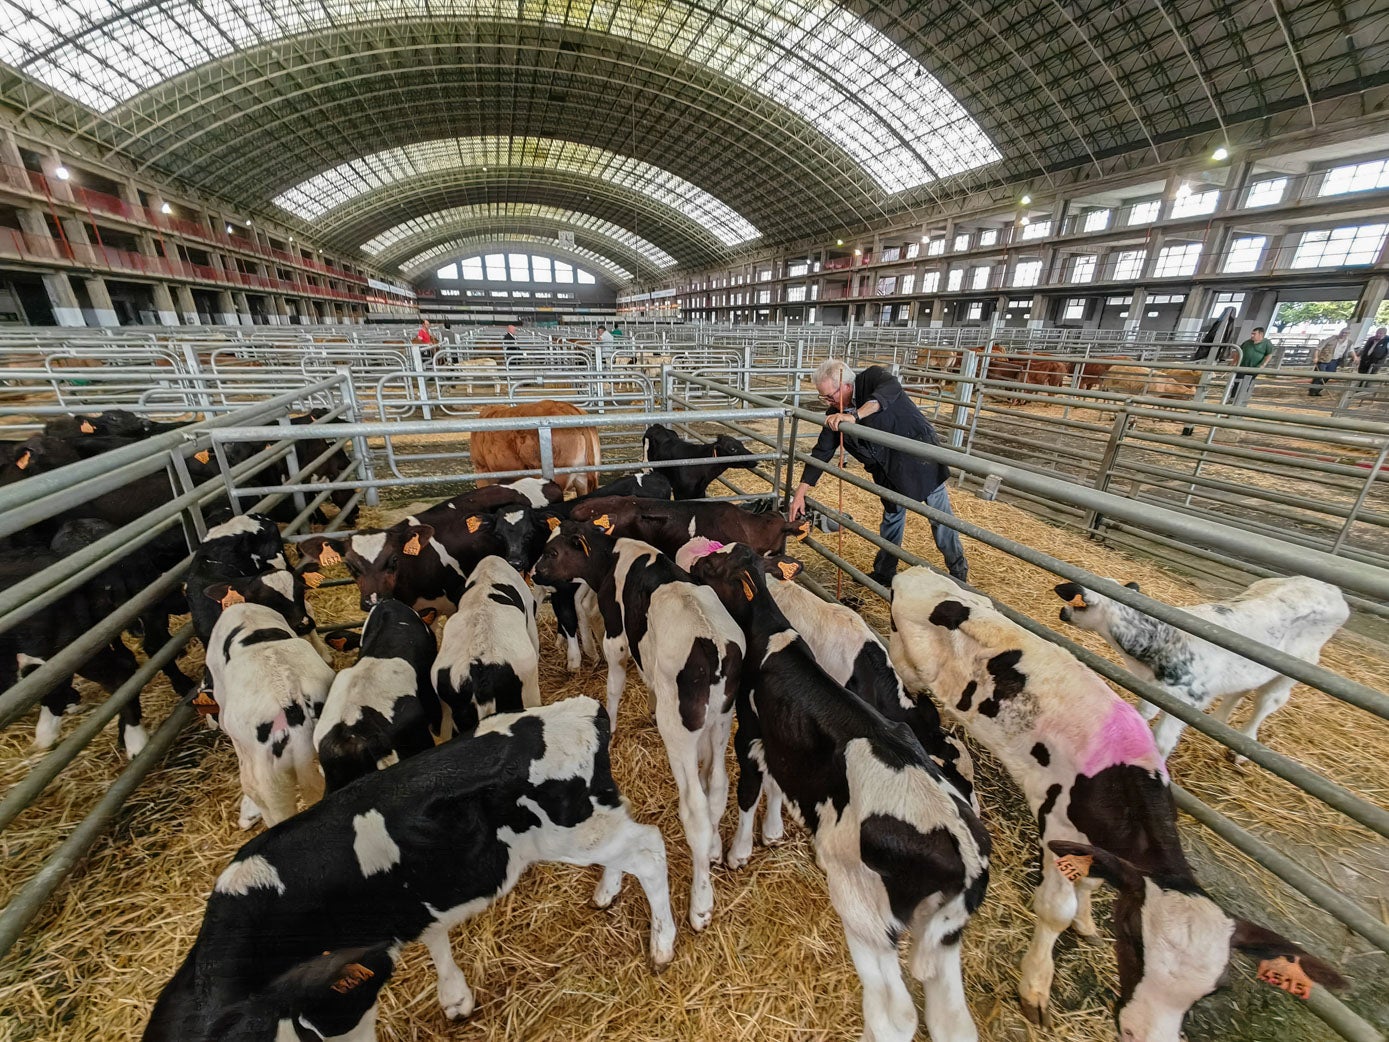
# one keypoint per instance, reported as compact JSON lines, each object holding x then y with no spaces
{"x":1193,"y":204}
{"x":449,"y":271}
{"x":521,"y":293}
{"x":814,"y":292}
{"x":988,"y":237}
{"x":1128,"y":264}
{"x":1145,"y":213}
{"x":891,"y":253}
{"x":797,"y":269}
{"x":764,"y":296}
{"x":540,"y":269}
{"x":1177,"y":260}
{"x":913,"y":250}
{"x":500,"y":294}
{"x":496,"y":267}
{"x":477,"y":293}
{"x":936,"y":248}
{"x":886,"y":285}
{"x":520,"y":267}
{"x":585,"y":277}
{"x":930,"y":282}
{"x":1245,"y":251}
{"x":450,"y":292}
{"x":956,"y":279}
{"x":976,"y":311}
{"x":908,"y":282}
{"x":765,"y":275}
{"x":1340,"y":246}
{"x":564,"y":272}
{"x":962,"y":241}
{"x":1266,"y":193}
{"x":1117,"y":301}
{"x":1075,"y":310}
{"x":1083,"y":269}
{"x":1357,"y":177}
{"x":1226,"y":300}
{"x":543,"y":294}
{"x":1096,"y":221}
{"x":472,"y":269}
{"x":1027,"y":273}
{"x":1036,"y":230}
{"x":795,"y":294}
{"x":565,"y":296}
{"x":979,"y":277}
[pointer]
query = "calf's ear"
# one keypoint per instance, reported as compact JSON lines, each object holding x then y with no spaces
{"x":1282,"y":964}
{"x":344,"y":640}
{"x":225,"y":594}
{"x":1078,"y":860}
{"x":320,"y":550}
{"x":782,"y":567}
{"x":749,"y":582}
{"x":1072,"y":593}
{"x":1133,"y":587}
{"x":419,"y":538}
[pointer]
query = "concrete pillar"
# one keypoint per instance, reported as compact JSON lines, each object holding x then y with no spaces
{"x":11,"y":162}
{"x":1037,"y":313}
{"x":226,"y":314}
{"x":1195,"y":310}
{"x":130,"y":195}
{"x":164,"y":305}
{"x":1362,"y":319}
{"x":66,"y":309}
{"x":937,"y":313}
{"x":36,"y":233}
{"x":103,"y":312}
{"x":1136,"y":305}
{"x":243,"y":309}
{"x":57,"y":187}
{"x":280,"y":309}
{"x":187,"y":305}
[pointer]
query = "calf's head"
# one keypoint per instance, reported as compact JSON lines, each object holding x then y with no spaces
{"x":278,"y":590}
{"x":736,"y":573}
{"x":577,"y":550}
{"x":375,"y":558}
{"x":1085,"y":609}
{"x":1174,"y":946}
{"x":727,"y":445}
{"x":517,"y":531}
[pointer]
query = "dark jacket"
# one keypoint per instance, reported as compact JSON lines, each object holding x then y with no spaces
{"x":1374,"y":352}
{"x":897,"y":414}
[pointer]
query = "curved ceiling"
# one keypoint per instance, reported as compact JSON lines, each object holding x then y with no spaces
{"x":473,"y":245}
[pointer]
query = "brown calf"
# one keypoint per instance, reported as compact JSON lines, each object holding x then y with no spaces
{"x":499,"y":451}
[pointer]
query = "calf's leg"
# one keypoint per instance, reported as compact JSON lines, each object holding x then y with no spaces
{"x":1268,"y":699}
{"x":1055,"y":905}
{"x":454,"y":994}
{"x":615,"y":652}
{"x":682,"y":750}
{"x":111,"y":667}
{"x":888,"y":1012}
{"x":750,"y":785}
{"x":935,"y":962}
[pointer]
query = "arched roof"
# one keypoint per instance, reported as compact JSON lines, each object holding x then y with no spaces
{"x":473,"y":245}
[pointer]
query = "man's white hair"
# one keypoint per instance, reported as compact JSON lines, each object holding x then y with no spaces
{"x":835,"y":369}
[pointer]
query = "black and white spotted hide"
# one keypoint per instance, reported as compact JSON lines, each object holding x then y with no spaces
{"x":902,"y":851}
{"x":375,"y":714}
{"x":489,"y":657}
{"x":270,"y":688}
{"x":377,"y":865}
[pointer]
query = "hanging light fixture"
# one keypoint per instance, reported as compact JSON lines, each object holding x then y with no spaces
{"x":62,"y":173}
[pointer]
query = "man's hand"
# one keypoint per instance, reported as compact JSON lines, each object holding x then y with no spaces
{"x":833,"y":422}
{"x":797,"y":507}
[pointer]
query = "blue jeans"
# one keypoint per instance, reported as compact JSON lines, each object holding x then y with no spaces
{"x":1324,"y":367}
{"x":947,"y":539}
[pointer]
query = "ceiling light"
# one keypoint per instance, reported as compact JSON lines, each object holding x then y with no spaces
{"x":839,"y":242}
{"x":1025,"y":220}
{"x":230,"y":229}
{"x":925,"y":239}
{"x":1221,"y":154}
{"x":858,"y":251}
{"x":1026,"y":200}
{"x":248,"y":222}
{"x":165,"y":208}
{"x":291,"y":238}
{"x":62,"y":172}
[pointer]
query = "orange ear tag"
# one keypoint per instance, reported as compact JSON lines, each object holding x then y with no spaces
{"x":412,"y":546}
{"x":329,"y":556}
{"x":87,"y":428}
{"x":749,"y":590}
{"x":1078,"y":601}
{"x":553,"y":522}
{"x":232,"y":597}
{"x":202,"y":457}
{"x":22,"y":462}
{"x":788,"y":570}
{"x":474,"y":523}
{"x":205,"y":704}
{"x":605,"y":523}
{"x":1075,"y":866}
{"x":429,"y":615}
{"x":805,"y":531}
{"x":313,"y":580}
{"x":583,"y":545}
{"x":352,"y":976}
{"x":1287,"y":974}
{"x":339,"y":643}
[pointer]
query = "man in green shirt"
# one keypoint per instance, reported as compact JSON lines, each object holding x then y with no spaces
{"x":1253,"y":353}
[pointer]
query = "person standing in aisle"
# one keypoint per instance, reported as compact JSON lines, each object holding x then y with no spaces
{"x":1332,"y":353}
{"x":1374,"y":352}
{"x":875,"y":399}
{"x":1253,"y":353}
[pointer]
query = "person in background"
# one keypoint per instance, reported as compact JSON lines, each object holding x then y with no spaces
{"x":875,"y":399}
{"x":1376,"y":349}
{"x":508,"y":345}
{"x":425,"y":335}
{"x":606,"y":337}
{"x":1253,"y":353}
{"x":1332,"y":353}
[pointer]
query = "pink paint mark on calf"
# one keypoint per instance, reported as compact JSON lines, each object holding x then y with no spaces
{"x":279,"y":725}
{"x":1123,"y":738}
{"x":696,"y":548}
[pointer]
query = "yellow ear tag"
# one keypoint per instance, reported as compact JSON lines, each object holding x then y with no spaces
{"x":474,"y":523}
{"x":205,"y":704}
{"x":553,"y":522}
{"x":202,"y":457}
{"x":605,"y":523}
{"x":412,"y":546}
{"x":87,"y":428}
{"x":23,"y":461}
{"x":328,"y":556}
{"x":1287,"y":974}
{"x":583,"y":545}
{"x":1075,"y":866}
{"x":313,"y":580}
{"x":354,"y":975}
{"x":788,"y":570}
{"x":749,"y":590}
{"x":232,"y":597}
{"x":1078,"y":601}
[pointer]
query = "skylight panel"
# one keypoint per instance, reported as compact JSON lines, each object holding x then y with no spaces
{"x":816,"y":59}
{"x":472,"y":265}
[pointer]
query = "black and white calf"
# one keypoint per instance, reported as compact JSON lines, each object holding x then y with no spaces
{"x":489,"y":657}
{"x":901,"y":850}
{"x":660,"y":444}
{"x":1296,"y":615}
{"x":375,"y":714}
{"x":1090,"y":771}
{"x":689,"y":652}
{"x":270,"y":688}
{"x":377,"y":865}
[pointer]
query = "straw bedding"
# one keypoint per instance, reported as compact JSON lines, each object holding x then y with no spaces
{"x":773,"y":964}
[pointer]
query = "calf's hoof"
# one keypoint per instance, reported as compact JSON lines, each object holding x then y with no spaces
{"x":1085,"y":927}
{"x":1039,"y":1015}
{"x":460,"y":1009}
{"x":606,"y":892}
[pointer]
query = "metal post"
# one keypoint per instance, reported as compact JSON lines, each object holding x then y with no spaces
{"x":1106,"y":469}
{"x":547,"y":451}
{"x":1360,"y":500}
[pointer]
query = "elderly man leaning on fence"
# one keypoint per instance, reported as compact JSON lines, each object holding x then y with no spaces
{"x":875,"y":399}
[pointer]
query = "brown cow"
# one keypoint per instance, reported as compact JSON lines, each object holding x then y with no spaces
{"x":1092,"y":374}
{"x":1154,"y":383}
{"x":501,"y":451}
